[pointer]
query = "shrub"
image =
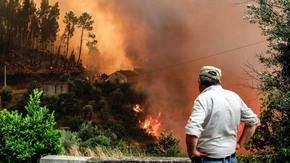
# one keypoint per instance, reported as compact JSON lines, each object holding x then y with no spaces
{"x":93,"y":135}
{"x":20,"y":106}
{"x":167,"y":145}
{"x":27,"y":138}
{"x":103,"y":140}
{"x":69,"y":139}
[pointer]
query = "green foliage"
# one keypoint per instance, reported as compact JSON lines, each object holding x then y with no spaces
{"x":85,"y":22}
{"x":70,"y":21}
{"x":20,"y":106}
{"x":27,"y":138}
{"x":92,"y":136}
{"x":281,"y":155}
{"x":167,"y":145}
{"x":273,"y":17}
{"x":265,"y":158}
{"x":6,"y":95}
{"x":69,"y":139}
{"x":107,"y":104}
{"x":25,"y":25}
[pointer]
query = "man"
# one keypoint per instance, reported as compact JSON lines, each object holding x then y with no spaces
{"x":211,"y":131}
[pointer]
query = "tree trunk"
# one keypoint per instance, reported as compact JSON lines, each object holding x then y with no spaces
{"x":67,"y":45}
{"x":81,"y":44}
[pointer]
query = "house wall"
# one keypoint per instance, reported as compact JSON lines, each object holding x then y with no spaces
{"x":55,"y":89}
{"x":117,"y":78}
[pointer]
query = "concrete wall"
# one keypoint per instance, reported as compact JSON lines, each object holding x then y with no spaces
{"x":73,"y":159}
{"x":64,"y":159}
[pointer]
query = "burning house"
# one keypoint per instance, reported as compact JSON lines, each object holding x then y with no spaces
{"x":124,"y":76}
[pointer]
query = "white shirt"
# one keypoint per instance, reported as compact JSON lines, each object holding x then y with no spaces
{"x":215,"y":119}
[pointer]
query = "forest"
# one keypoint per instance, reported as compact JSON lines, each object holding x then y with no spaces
{"x":31,"y":40}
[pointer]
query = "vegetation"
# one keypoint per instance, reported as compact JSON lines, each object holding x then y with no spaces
{"x":100,"y":121}
{"x":70,"y":21}
{"x":167,"y":145}
{"x":273,"y":17}
{"x":107,"y":104}
{"x":27,"y":138}
{"x":94,"y":141}
{"x":6,"y":96}
{"x":85,"y":22}
{"x":30,"y":36}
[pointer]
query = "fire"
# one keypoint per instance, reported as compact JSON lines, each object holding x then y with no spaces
{"x":137,"y":108}
{"x":152,"y":125}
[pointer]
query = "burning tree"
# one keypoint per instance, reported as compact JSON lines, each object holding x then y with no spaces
{"x":273,"y":17}
{"x":152,"y":125}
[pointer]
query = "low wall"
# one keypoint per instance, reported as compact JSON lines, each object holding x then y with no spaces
{"x":74,"y":159}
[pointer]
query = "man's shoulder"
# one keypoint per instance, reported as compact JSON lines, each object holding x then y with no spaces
{"x":221,"y":92}
{"x":232,"y":94}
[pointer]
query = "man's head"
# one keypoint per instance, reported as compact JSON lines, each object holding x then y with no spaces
{"x":208,"y":76}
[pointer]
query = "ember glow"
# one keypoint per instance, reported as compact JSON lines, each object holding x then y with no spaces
{"x":137,"y":108}
{"x":152,"y":125}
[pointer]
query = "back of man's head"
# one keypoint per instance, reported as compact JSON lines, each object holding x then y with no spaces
{"x":210,"y":75}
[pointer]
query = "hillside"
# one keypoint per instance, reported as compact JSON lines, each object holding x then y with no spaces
{"x":26,"y":65}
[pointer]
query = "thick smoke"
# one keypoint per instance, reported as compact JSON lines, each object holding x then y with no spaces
{"x":160,"y":36}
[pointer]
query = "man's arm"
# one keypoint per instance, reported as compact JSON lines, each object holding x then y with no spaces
{"x":191,"y":143}
{"x":194,"y":128}
{"x":251,"y":121}
{"x":246,"y":135}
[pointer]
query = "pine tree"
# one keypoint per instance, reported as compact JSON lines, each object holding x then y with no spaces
{"x":70,"y":21}
{"x":34,"y":26}
{"x":44,"y":22}
{"x":24,"y":20}
{"x":53,"y":25}
{"x":85,"y":22}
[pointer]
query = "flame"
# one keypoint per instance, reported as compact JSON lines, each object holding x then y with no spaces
{"x":152,"y":125}
{"x":137,"y":108}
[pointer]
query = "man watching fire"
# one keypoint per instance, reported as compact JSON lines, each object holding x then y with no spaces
{"x":211,"y":131}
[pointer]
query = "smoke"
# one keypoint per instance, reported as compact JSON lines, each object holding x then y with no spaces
{"x":160,"y":36}
{"x":164,"y":33}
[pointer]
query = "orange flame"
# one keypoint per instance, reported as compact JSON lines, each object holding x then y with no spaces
{"x":152,"y":125}
{"x":137,"y":108}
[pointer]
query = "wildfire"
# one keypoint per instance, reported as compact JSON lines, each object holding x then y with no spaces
{"x":137,"y":108}
{"x":152,"y":125}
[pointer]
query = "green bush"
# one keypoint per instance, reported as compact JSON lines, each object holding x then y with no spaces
{"x":93,"y":136}
{"x":103,"y":140}
{"x":20,"y":106}
{"x":27,"y":138}
{"x":167,"y":145}
{"x":68,"y":139}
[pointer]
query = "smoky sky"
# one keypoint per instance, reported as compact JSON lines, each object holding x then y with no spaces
{"x":160,"y":36}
